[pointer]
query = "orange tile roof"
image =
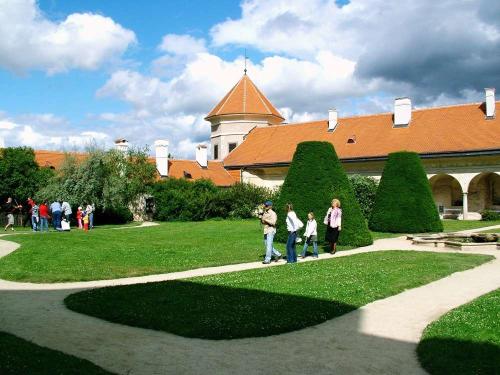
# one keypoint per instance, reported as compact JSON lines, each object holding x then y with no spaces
{"x":214,"y":172}
{"x":54,"y":159}
{"x":176,"y":168}
{"x":245,"y":98}
{"x":434,"y":130}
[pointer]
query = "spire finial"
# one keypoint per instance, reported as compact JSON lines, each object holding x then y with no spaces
{"x":245,"y":70}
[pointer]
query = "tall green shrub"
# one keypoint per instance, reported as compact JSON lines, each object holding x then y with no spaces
{"x":365,"y":189}
{"x":316,"y":177}
{"x":404,"y":201}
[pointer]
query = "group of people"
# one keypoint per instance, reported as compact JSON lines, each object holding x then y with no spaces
{"x":333,"y":221}
{"x":39,"y":215}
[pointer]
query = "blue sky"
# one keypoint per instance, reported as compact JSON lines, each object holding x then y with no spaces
{"x":74,"y":72}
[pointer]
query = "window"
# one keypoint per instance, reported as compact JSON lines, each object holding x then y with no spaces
{"x":216,"y":152}
{"x":232,"y":146}
{"x":351,"y":139}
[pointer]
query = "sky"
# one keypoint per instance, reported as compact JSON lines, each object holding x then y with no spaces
{"x":74,"y":73}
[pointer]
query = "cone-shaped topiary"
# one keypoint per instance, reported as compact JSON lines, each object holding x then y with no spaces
{"x":404,"y":202}
{"x":316,"y":177}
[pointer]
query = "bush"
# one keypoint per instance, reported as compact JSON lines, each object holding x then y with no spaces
{"x":183,"y":200}
{"x":404,"y":201}
{"x":488,"y":215}
{"x":316,"y":177}
{"x":365,"y":189}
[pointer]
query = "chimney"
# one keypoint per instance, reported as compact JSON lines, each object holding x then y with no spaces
{"x":201,"y":155}
{"x":402,"y":112}
{"x":332,"y":119}
{"x":490,"y":103}
{"x":121,"y":144}
{"x":161,"y":153}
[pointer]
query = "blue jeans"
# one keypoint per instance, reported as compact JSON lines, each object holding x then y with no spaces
{"x":270,"y":250}
{"x":315,"y":247}
{"x":56,"y":219}
{"x":44,"y":223}
{"x":34,"y":222}
{"x":91,"y":220}
{"x":291,"y":255}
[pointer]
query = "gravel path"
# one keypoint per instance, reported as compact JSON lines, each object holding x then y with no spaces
{"x":379,"y":338}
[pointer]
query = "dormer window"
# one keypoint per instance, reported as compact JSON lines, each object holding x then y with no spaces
{"x":351,"y":139}
{"x":187,"y":175}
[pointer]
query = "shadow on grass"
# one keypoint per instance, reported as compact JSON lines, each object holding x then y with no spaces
{"x":19,"y":356}
{"x":204,"y":311}
{"x":448,"y":356}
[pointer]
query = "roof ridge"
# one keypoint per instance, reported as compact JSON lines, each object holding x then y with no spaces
{"x":259,"y":95}
{"x":244,"y":93}
{"x":228,"y":96}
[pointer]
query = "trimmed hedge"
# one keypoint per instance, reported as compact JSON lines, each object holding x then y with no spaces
{"x":316,"y":177}
{"x":184,"y":200}
{"x":404,"y":201}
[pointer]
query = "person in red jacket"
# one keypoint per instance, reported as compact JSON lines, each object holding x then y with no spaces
{"x":44,"y":216}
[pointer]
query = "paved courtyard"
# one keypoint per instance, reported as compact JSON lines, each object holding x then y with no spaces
{"x":378,"y":338}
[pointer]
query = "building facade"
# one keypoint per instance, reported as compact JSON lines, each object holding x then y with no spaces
{"x":459,"y":145}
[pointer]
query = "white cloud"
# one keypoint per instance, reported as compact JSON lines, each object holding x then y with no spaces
{"x":182,"y":44}
{"x":30,"y":41}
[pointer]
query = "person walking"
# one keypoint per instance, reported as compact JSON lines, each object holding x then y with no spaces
{"x":55,"y":209}
{"x":311,"y":235}
{"x":269,"y":219}
{"x":44,"y":216}
{"x":293,"y":224}
{"x":333,"y":220}
{"x":9,"y":209}
{"x":35,"y":218}
{"x":66,"y":210}
{"x":89,"y":210}
{"x":79,"y":217}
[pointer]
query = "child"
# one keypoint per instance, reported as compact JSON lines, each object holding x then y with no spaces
{"x":85,"y":219}
{"x":311,"y":235}
{"x":35,"y":220}
{"x":79,"y":217}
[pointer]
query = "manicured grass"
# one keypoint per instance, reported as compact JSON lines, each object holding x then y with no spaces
{"x":108,"y":254}
{"x":268,"y":301}
{"x":458,"y":225}
{"x":382,"y":235}
{"x":465,"y":340}
{"x":19,"y":356}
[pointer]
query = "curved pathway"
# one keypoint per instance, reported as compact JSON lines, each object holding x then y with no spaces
{"x":379,"y":338}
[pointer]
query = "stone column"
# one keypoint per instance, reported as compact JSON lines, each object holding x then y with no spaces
{"x":465,"y":206}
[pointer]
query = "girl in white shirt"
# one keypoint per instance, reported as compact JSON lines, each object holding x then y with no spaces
{"x":311,"y":235}
{"x":333,"y":220}
{"x":293,"y":224}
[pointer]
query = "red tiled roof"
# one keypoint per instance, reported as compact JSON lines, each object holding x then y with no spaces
{"x":176,"y":168}
{"x":245,"y":98}
{"x":434,"y":130}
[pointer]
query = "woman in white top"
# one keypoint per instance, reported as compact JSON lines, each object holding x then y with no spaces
{"x":333,"y":220}
{"x":293,"y":224}
{"x":311,"y":235}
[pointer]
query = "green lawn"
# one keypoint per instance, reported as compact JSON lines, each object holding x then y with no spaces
{"x":272,"y":300}
{"x":19,"y":357}
{"x":108,"y":254}
{"x":458,"y":225}
{"x":465,"y":340}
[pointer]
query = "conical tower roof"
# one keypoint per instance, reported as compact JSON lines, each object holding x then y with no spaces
{"x":245,"y":99}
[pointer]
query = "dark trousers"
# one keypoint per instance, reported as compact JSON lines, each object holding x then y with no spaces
{"x":56,"y":219}
{"x":291,"y":255}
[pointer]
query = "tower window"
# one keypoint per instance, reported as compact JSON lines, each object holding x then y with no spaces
{"x":216,"y":152}
{"x":232,"y":146}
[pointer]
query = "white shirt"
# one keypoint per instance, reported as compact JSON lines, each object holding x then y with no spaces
{"x":311,"y":228}
{"x":291,"y":221}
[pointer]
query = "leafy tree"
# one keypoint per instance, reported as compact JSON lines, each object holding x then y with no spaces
{"x":316,"y":177}
{"x":365,"y":189}
{"x":111,"y":180}
{"x":20,"y":175}
{"x":404,"y":201}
